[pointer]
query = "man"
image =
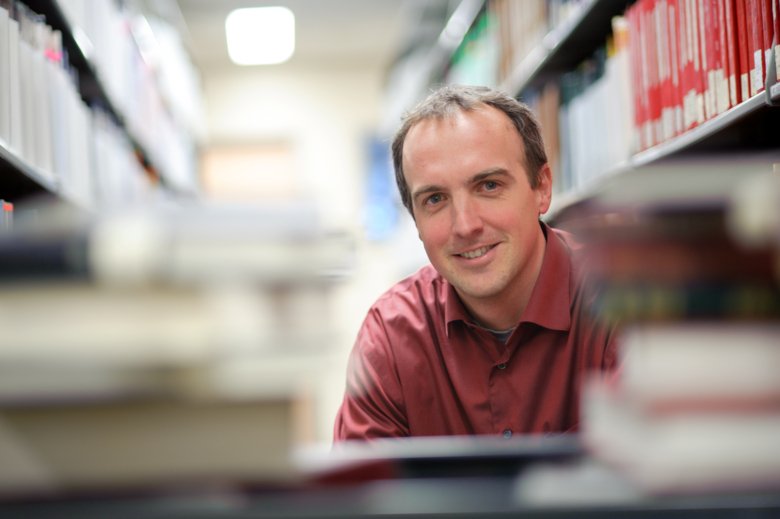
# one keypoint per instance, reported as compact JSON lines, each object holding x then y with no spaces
{"x":494,"y":336}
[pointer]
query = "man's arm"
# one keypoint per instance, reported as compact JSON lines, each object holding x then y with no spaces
{"x":373,"y":405}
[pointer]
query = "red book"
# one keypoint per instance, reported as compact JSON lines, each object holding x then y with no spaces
{"x":637,"y":81}
{"x":665,"y":39}
{"x":675,"y":67}
{"x":767,"y":29}
{"x":755,"y":32}
{"x":706,"y":42}
{"x":697,"y":76}
{"x":656,"y":106}
{"x":685,"y":63}
{"x":720,"y":93}
{"x":645,"y":66}
{"x":776,"y":15}
{"x":730,"y":22}
{"x":743,"y":51}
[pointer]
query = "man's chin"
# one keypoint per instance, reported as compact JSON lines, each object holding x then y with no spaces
{"x":475,"y":289}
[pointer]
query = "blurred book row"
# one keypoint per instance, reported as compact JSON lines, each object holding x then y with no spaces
{"x":162,"y":347}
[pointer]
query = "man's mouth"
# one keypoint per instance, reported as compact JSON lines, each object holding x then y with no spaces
{"x":476,"y":253}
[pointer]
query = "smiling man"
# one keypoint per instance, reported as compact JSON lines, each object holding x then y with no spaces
{"x":494,"y":337}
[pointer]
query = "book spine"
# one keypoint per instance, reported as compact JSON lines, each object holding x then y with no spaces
{"x":663,"y":49}
{"x":743,"y":46}
{"x":707,"y":65}
{"x":776,"y":18}
{"x":767,"y":30}
{"x":653,"y":80}
{"x":729,"y":19}
{"x":697,"y":74}
{"x":755,"y":29}
{"x":723,"y":94}
{"x":639,"y":92}
{"x":673,"y":21}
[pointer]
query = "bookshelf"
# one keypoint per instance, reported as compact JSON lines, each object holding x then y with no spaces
{"x":569,"y":60}
{"x":565,"y":45}
{"x":106,"y":131}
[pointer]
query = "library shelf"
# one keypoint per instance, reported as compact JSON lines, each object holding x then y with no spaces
{"x":565,"y":46}
{"x":92,"y":83}
{"x":740,"y":126}
{"x":21,"y":179}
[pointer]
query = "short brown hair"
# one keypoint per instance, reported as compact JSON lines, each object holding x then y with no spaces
{"x":447,"y":101}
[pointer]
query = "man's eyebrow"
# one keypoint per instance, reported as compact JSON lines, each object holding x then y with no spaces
{"x":425,"y":190}
{"x":488,"y":173}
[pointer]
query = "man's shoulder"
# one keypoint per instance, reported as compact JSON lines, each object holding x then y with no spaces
{"x":414,"y":292}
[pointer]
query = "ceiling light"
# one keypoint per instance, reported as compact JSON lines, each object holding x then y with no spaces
{"x":260,"y":35}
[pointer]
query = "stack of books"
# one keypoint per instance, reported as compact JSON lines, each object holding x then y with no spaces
{"x":160,"y":348}
{"x":695,"y":405}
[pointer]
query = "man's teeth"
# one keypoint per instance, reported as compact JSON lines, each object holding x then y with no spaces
{"x":475,"y":253}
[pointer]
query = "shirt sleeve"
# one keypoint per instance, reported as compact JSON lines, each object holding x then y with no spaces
{"x":373,"y":404}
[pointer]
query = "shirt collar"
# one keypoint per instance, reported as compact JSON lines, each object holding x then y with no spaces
{"x":550,"y":302}
{"x":550,"y":299}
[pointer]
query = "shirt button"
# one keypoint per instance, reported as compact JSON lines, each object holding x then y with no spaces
{"x":507,"y":433}
{"x":501,"y":366}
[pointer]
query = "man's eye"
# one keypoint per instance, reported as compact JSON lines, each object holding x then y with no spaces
{"x":433,"y":199}
{"x":490,"y":185}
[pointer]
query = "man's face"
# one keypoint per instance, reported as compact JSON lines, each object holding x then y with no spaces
{"x":474,"y":208}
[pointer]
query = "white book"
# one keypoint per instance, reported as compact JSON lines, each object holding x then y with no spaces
{"x":713,"y":364}
{"x":76,"y":181}
{"x":27,"y":96}
{"x":17,"y":134}
{"x":703,"y":451}
{"x":146,"y":443}
{"x":5,"y":79}
{"x":82,"y":173}
{"x":41,"y":136}
{"x":58,"y":85}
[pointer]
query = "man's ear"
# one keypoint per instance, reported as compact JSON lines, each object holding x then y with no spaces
{"x":544,"y":189}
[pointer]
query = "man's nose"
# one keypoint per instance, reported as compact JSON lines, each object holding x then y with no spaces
{"x":466,"y":219}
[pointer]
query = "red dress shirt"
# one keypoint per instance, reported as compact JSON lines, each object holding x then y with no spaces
{"x":421,"y":367}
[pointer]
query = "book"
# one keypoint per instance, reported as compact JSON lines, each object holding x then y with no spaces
{"x":187,"y":244}
{"x":705,"y":365}
{"x":5,"y":79}
{"x":743,"y":46}
{"x":767,"y":31}
{"x":670,"y":452}
{"x":722,"y":92}
{"x":144,"y":444}
{"x":708,"y":64}
{"x":695,"y":407}
{"x":16,"y":141}
{"x":755,"y":29}
{"x":732,"y":52}
{"x":665,"y":242}
{"x":776,"y":18}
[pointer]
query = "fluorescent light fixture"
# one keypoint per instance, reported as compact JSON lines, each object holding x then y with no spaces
{"x":260,"y":35}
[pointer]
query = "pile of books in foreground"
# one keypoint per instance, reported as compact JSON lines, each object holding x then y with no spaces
{"x":692,"y":275}
{"x":147,"y":350}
